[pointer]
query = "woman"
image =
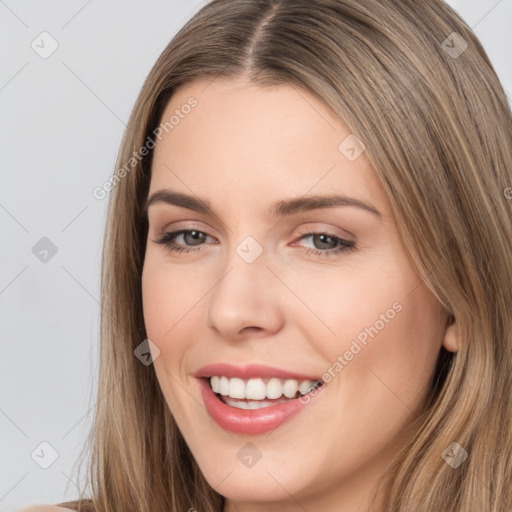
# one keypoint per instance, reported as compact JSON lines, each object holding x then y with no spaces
{"x":307,"y":269}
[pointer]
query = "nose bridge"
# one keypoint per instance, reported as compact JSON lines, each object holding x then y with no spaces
{"x":243,"y":296}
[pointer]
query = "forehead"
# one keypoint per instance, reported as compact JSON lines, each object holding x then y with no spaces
{"x":270,"y":142}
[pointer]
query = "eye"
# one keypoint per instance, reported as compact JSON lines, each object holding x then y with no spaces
{"x":327,"y":244}
{"x":192,"y":236}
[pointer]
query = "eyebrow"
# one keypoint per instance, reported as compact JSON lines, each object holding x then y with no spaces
{"x":280,"y":209}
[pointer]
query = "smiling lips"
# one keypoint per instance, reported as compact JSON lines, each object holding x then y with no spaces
{"x":253,"y":399}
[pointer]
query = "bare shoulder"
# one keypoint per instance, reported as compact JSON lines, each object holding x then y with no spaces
{"x":44,"y":508}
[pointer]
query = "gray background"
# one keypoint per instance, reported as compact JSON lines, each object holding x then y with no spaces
{"x":61,"y":122}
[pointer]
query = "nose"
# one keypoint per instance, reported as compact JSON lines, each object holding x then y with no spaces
{"x":245,"y":299}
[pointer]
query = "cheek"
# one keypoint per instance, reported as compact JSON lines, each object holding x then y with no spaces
{"x":168,"y":300}
{"x":384,"y":366}
{"x":173,"y":308}
{"x":380,"y":362}
{"x":346,"y":304}
{"x":378,"y":331}
{"x":168,"y":297}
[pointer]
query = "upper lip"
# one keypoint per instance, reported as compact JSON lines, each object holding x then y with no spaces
{"x":251,"y":371}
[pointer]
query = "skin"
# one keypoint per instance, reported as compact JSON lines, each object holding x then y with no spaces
{"x":242,"y":148}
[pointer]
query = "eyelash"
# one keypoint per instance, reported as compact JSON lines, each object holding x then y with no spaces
{"x":346,"y":245}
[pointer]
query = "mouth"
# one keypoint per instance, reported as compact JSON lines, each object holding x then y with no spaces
{"x":256,"y":405}
{"x":253,"y":399}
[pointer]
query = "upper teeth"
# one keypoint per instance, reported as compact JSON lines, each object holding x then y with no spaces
{"x":258,"y":389}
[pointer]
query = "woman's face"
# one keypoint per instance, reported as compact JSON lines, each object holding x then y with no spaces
{"x":307,"y":291}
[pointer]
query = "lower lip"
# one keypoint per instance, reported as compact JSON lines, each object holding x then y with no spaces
{"x":251,"y":421}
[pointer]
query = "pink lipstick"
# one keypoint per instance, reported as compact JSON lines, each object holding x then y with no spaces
{"x":262,"y":419}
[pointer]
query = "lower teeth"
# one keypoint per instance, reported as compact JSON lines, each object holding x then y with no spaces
{"x":252,"y":404}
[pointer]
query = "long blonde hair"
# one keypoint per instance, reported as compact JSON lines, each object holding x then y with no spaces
{"x":412,"y":81}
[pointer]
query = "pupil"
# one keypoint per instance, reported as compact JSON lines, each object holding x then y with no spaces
{"x":196,"y":236}
{"x":322,"y":239}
